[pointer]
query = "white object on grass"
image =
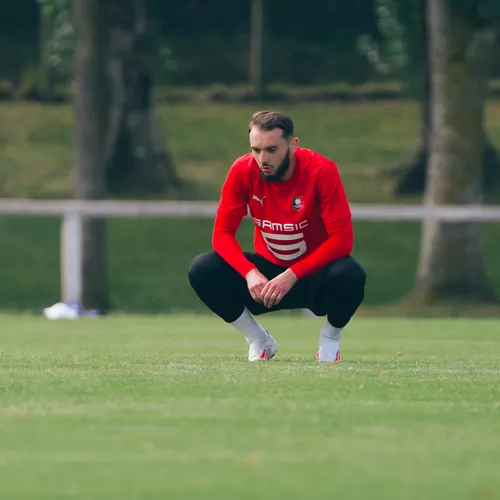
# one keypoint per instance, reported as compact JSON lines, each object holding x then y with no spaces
{"x":62,"y":310}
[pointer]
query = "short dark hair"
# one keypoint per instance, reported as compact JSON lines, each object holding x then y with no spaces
{"x":270,"y":120}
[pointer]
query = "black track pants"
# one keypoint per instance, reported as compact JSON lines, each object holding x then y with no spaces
{"x":337,"y":290}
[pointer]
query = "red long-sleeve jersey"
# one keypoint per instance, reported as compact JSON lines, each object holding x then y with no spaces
{"x":302,"y":224}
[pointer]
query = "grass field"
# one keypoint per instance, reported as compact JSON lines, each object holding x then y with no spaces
{"x":168,"y":407}
{"x":148,"y":259}
{"x":37,"y":143}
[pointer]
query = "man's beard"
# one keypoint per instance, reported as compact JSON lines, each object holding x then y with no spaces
{"x":281,"y":170}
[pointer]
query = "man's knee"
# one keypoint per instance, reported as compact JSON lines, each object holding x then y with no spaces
{"x":356,"y":272}
{"x":347,"y":273}
{"x":203,"y":268}
{"x":343,"y":290}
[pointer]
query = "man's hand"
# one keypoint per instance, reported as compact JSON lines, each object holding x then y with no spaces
{"x":274,"y":291}
{"x":256,"y":282}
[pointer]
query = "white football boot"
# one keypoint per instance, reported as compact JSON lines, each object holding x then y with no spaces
{"x":328,"y":351}
{"x":262,"y":350}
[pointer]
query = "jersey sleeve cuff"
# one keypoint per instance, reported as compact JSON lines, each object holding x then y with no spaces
{"x":299,"y":271}
{"x":247,"y":268}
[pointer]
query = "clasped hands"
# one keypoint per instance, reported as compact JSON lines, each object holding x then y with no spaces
{"x":269,"y":292}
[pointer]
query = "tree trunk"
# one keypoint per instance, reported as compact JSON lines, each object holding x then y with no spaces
{"x":411,"y":172}
{"x":256,"y":47}
{"x":91,"y":113}
{"x":137,"y":162}
{"x":451,"y":262}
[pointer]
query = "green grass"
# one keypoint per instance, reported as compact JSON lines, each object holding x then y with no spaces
{"x":148,"y":261}
{"x":38,"y":154}
{"x":168,"y":407}
{"x":37,"y":143}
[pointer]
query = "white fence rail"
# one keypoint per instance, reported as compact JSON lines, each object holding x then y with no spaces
{"x":166,"y":209}
{"x":74,"y":211}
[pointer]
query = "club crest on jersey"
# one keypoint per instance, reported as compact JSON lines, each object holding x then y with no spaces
{"x":298,"y":203}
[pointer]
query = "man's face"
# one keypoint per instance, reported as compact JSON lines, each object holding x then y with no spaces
{"x":271,"y":152}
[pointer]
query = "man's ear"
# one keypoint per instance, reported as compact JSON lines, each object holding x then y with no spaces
{"x":294,"y":144}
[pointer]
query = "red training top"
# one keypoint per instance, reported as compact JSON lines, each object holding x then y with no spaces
{"x":302,"y":224}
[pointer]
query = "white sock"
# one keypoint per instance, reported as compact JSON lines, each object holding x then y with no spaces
{"x":331,"y":332}
{"x":250,"y":327}
{"x":329,"y":343}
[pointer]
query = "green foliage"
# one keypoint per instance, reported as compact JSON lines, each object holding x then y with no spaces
{"x":60,"y":41}
{"x":394,"y":32}
{"x":402,"y":51}
{"x":389,"y":56}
